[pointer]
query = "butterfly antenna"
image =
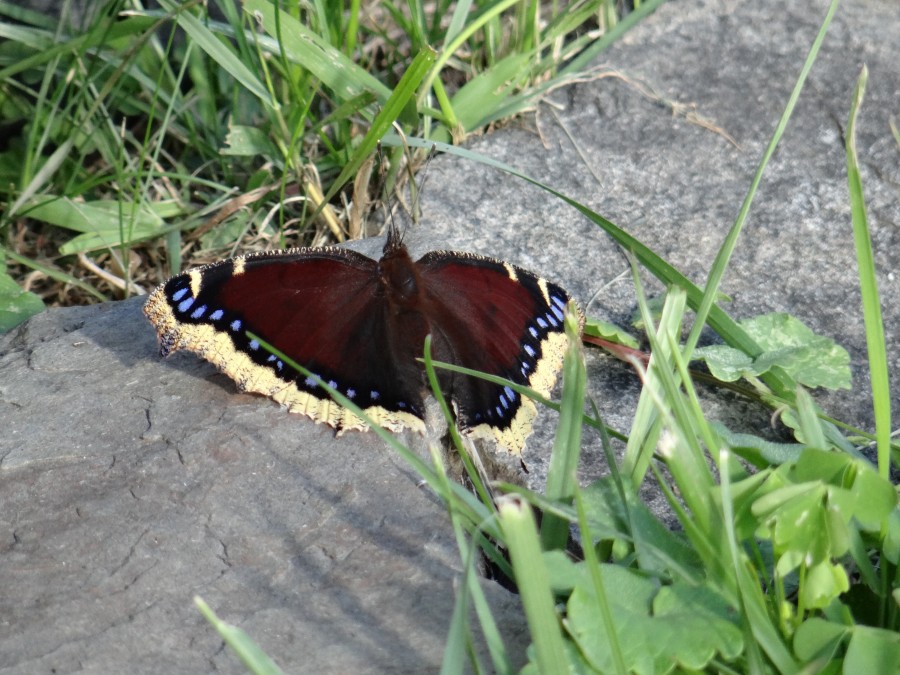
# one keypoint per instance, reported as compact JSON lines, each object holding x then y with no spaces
{"x":420,"y":189}
{"x":394,"y":235}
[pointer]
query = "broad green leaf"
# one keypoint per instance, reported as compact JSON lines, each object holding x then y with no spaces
{"x":821,"y":465}
{"x":104,"y":223}
{"x":726,"y":364}
{"x":794,"y":519}
{"x":870,"y":497}
{"x":891,"y":542}
{"x":823,"y":583}
{"x":658,"y":628}
{"x":758,"y":451}
{"x":611,"y":332}
{"x":876,"y":498}
{"x":812,"y":360}
{"x":658,"y":549}
{"x":818,"y":638}
{"x":16,"y":305}
{"x":873,"y":650}
{"x":249,"y":142}
{"x":564,"y":573}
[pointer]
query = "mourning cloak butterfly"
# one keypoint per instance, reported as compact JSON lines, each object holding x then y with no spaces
{"x":359,"y":324}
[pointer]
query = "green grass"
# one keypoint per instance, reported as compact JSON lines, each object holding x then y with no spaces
{"x":136,"y":150}
{"x":142,"y":142}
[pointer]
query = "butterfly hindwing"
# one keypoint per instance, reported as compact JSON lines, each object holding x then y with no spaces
{"x":502,"y":320}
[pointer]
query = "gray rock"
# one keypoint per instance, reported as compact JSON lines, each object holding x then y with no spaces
{"x":130,"y":484}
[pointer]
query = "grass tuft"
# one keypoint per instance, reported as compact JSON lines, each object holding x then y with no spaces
{"x":142,"y":141}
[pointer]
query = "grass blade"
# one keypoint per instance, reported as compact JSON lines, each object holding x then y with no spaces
{"x":254,"y":658}
{"x":334,"y":69}
{"x":868,"y":285}
{"x":219,"y":51}
{"x":403,"y":93}
{"x":719,"y":320}
{"x":521,"y":537}
{"x":561,"y":480}
{"x":717,"y":272}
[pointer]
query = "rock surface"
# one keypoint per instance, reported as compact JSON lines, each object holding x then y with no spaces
{"x":128,"y":485}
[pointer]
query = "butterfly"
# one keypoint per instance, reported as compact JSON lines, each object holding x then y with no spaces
{"x":360,"y":324}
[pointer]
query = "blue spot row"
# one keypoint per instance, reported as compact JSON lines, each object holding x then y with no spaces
{"x":279,"y":364}
{"x":312,"y":382}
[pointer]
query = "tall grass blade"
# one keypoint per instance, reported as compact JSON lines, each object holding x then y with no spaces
{"x":723,"y":257}
{"x":250,"y":654}
{"x":561,"y":478}
{"x":596,"y":572}
{"x":403,"y":93}
{"x":719,"y":320}
{"x":868,"y":285}
{"x":218,"y":51}
{"x":533,"y":581}
{"x":334,"y":69}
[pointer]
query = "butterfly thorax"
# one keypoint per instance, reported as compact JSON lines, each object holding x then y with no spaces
{"x":399,"y":281}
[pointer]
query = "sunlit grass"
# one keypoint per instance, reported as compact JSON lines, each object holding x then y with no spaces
{"x":139,"y":142}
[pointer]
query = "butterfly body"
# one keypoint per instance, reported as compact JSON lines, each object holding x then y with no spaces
{"x":360,"y":324}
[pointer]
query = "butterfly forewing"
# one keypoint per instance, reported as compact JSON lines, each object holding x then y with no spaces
{"x":317,"y":306}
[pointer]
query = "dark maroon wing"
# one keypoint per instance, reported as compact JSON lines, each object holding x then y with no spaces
{"x":320,"y":307}
{"x":494,"y":317}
